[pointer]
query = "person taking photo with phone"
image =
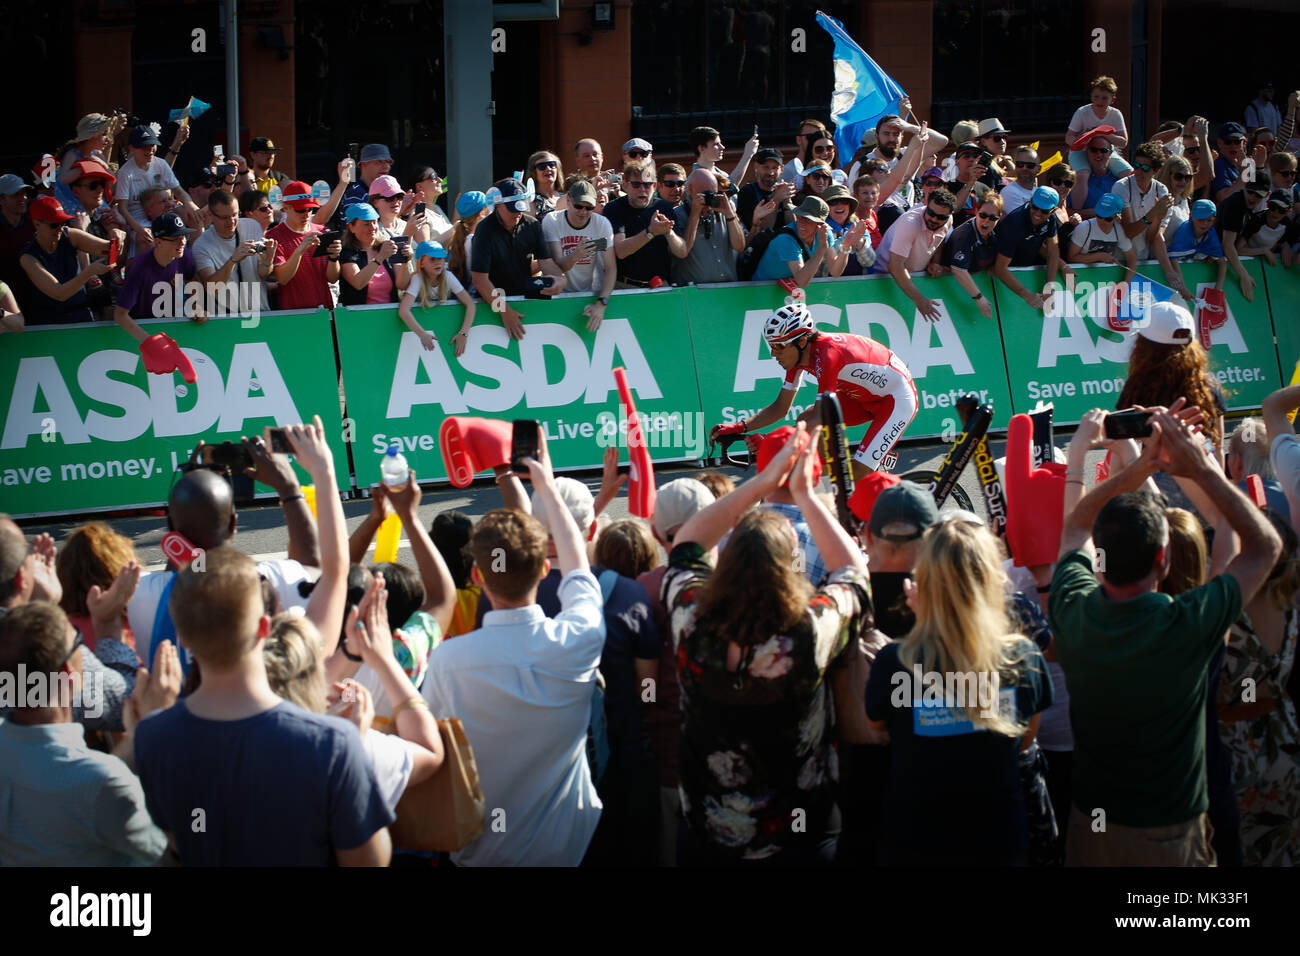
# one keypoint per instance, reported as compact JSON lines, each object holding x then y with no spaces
{"x":581,"y":242}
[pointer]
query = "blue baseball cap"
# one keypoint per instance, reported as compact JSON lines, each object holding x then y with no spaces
{"x":429,"y":248}
{"x":1109,"y":205}
{"x":470,"y":203}
{"x":1203,"y":209}
{"x":1045,"y":198}
{"x":360,"y":210}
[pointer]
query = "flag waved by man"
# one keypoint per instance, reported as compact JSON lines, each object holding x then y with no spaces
{"x":863,"y":92}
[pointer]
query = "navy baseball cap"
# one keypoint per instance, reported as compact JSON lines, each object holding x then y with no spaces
{"x":509,"y":188}
{"x":170,"y":226}
{"x":1229,"y":130}
{"x":144,"y":136}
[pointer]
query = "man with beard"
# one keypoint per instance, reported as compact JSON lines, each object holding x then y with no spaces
{"x":765,"y":203}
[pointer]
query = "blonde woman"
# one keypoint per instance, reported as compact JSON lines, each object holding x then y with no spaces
{"x":430,"y":286}
{"x":295,"y":669}
{"x":1176,"y":174}
{"x":961,"y":697}
{"x":546,"y":173}
{"x":471,"y":209}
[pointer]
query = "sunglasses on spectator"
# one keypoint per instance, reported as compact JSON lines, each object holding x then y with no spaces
{"x":76,"y":643}
{"x":941,"y":217}
{"x":265,"y":207}
{"x":394,"y":198}
{"x":584,"y":207}
{"x":1191,"y":150}
{"x":991,"y":217}
{"x":1145,"y":167}
{"x":1235,"y":141}
{"x":1062,"y":182}
{"x":823,"y":149}
{"x":637,"y":153}
{"x":1180,"y":177}
{"x":548,"y":164}
{"x":1099,"y":149}
{"x":90,"y":184}
{"x":819,"y":175}
{"x":936,"y":183}
{"x":643,"y":184}
{"x":1285,"y":172}
{"x":1021,"y":164}
{"x":671,"y":183}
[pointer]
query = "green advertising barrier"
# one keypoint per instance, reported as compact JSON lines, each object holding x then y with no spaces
{"x":559,"y":374}
{"x":961,"y":352}
{"x":87,"y":428}
{"x":1068,"y":355}
{"x":1283,"y":290}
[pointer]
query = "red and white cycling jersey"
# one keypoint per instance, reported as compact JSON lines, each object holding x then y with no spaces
{"x":871,"y":382}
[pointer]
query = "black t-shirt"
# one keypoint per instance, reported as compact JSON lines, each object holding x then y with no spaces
{"x":40,"y":309}
{"x":504,"y":255}
{"x":652,"y":259}
{"x":966,"y":249}
{"x":751,"y":197}
{"x":1232,"y":214}
{"x":358,"y":257}
{"x":1018,"y":237}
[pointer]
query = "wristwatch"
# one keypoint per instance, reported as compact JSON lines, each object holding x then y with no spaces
{"x":603,"y":299}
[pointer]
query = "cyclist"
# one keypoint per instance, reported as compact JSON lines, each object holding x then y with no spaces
{"x":870,"y":380}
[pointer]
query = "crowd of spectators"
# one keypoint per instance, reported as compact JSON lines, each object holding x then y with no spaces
{"x":896,"y":207}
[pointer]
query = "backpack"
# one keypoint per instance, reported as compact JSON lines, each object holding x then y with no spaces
{"x":747,"y":265}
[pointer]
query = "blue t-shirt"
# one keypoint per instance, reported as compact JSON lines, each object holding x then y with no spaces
{"x":285,"y":787}
{"x":1225,"y":174}
{"x":1186,"y":246}
{"x":1098,"y":186}
{"x":138,"y":296}
{"x":954,"y":790}
{"x":782,"y":249}
{"x":966,"y":249}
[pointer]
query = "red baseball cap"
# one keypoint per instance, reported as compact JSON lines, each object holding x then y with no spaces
{"x":93,"y":168}
{"x":867,"y":490}
{"x":774,"y":441}
{"x":47,"y":209}
{"x":298,"y":195}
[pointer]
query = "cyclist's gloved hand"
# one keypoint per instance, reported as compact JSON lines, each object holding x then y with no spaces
{"x":719,"y":432}
{"x":162,"y":356}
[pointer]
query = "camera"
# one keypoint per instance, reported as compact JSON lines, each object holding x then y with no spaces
{"x":259,"y":246}
{"x":538,"y":283}
{"x":711,"y":198}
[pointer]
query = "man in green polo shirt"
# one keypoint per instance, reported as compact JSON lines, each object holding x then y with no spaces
{"x":1136,"y":660}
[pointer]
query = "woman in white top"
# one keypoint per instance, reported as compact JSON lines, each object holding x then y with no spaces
{"x":1176,"y":175}
{"x":546,"y":173}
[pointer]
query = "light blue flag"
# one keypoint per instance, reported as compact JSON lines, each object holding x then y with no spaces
{"x":863,"y":91}
{"x":193,"y":109}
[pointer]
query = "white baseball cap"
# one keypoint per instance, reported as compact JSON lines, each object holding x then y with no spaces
{"x":1168,"y":323}
{"x":678,"y":501}
{"x":577,"y":498}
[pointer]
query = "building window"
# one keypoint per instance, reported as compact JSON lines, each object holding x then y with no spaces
{"x":1019,"y":60}
{"x":729,"y":64}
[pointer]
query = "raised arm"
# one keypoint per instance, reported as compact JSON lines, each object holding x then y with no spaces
{"x":570,"y":552}
{"x":439,"y":588}
{"x":276,"y":473}
{"x":837,"y":549}
{"x":329,"y":598}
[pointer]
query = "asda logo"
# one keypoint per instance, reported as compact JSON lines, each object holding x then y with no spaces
{"x":554,"y":369}
{"x":129,"y":401}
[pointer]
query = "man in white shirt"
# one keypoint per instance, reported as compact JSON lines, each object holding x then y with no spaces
{"x":143,"y":170}
{"x":1016,"y":193}
{"x":227,"y":254}
{"x":522,"y":687}
{"x":581,"y":242}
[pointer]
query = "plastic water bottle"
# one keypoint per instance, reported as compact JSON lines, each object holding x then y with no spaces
{"x":393,"y":469}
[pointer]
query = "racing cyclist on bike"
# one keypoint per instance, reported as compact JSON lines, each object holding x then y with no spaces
{"x":870,"y":380}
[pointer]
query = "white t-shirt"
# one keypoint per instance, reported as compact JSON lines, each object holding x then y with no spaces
{"x":390,"y":756}
{"x":1014,"y":196}
{"x":1089,"y":237}
{"x":1266,"y":237}
{"x":132,"y":181}
{"x":212,"y":252}
{"x":1137,"y":204}
{"x":1085,"y":119}
{"x":788,"y":173}
{"x":587,"y":274}
{"x":1284,"y":456}
{"x":454,"y":288}
{"x":1179,"y":213}
{"x":283,"y":575}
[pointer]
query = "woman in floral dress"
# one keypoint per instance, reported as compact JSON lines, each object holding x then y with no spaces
{"x":1258,"y":719}
{"x":754,"y":644}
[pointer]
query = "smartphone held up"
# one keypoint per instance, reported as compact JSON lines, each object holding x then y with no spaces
{"x":525,"y":442}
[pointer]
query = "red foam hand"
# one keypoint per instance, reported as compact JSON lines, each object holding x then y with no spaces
{"x":1255,"y":489}
{"x":471,"y":445}
{"x":162,"y":356}
{"x":1035,"y":499}
{"x":1211,"y":313}
{"x":1083,"y":141}
{"x":641,"y":493}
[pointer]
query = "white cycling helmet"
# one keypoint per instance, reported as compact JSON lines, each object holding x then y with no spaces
{"x":788,"y":323}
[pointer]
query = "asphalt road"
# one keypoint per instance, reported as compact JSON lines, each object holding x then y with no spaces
{"x":261,"y":531}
